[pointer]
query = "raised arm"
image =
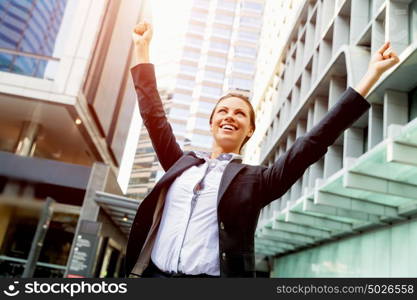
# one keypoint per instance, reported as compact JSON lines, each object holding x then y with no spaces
{"x":150,"y":104}
{"x":306,"y":150}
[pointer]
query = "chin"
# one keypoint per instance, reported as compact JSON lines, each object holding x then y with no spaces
{"x":227,"y":144}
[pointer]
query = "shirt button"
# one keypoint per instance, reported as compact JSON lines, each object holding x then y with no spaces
{"x":224,"y":256}
{"x":221,"y":226}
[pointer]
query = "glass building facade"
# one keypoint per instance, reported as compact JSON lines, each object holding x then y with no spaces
{"x":28,"y":32}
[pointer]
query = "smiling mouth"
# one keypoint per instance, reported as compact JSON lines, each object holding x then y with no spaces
{"x":228,"y":127}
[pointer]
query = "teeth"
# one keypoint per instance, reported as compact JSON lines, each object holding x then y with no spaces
{"x":228,"y":127}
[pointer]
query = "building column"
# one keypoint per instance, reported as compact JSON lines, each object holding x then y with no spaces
{"x":26,"y":143}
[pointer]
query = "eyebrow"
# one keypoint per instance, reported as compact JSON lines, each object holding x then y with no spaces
{"x":239,"y":109}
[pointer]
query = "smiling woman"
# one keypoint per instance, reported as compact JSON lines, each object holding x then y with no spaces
{"x":232,"y":123}
{"x":200,"y":218}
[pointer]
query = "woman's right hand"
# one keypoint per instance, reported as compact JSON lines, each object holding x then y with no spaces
{"x":142,"y":36}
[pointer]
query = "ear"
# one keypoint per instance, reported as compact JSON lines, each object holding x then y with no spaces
{"x":211,"y":128}
{"x":250,"y":133}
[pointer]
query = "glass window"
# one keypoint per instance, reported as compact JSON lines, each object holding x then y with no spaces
{"x":218,"y":76}
{"x":240,"y":83}
{"x":212,"y":91}
{"x":248,"y":35}
{"x":202,"y":2}
{"x":250,"y":21}
{"x":191,"y":54}
{"x":188,"y":69}
{"x":252,"y":5}
{"x":198,"y":15}
{"x":194,"y":41}
{"x":245,"y":51}
{"x":179,"y":113}
{"x":224,"y":18}
{"x":205,"y":107}
{"x":244,"y":66}
{"x":181,"y":97}
{"x":219,"y":46}
{"x":30,"y":27}
{"x":197,"y":28}
{"x":223,"y":32}
{"x":226,"y":4}
{"x":201,"y":140}
{"x":217,"y":60}
{"x":202,"y":123}
{"x":188,"y":83}
{"x":178,"y":128}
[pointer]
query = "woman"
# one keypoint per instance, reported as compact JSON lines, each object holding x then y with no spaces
{"x":200,"y":218}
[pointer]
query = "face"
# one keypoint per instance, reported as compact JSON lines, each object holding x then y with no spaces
{"x":231,"y":124}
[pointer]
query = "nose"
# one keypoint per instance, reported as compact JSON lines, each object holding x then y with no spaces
{"x":229,"y":116}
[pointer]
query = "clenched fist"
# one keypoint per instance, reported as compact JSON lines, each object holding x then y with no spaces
{"x":383,"y":59}
{"x":142,"y":34}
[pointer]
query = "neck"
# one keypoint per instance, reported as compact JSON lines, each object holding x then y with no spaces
{"x":217,"y":150}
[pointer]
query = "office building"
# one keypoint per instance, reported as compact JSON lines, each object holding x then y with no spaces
{"x":352,"y":213}
{"x":66,"y":109}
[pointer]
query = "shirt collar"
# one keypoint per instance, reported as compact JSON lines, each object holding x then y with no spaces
{"x":224,"y":156}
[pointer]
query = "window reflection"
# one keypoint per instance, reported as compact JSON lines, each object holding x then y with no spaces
{"x":29,"y":34}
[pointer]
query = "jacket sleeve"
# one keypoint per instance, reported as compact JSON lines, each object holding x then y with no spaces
{"x":306,"y":150}
{"x":153,"y":115}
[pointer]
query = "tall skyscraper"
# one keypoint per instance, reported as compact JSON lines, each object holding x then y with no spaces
{"x":219,"y":53}
{"x":28,"y":33}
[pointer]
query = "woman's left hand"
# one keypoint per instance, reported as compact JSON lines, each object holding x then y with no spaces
{"x":381,"y":61}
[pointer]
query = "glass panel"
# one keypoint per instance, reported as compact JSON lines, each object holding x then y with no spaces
{"x":214,"y":75}
{"x":223,"y":32}
{"x":245,"y":51}
{"x":212,"y":91}
{"x":217,"y":60}
{"x":191,"y":54}
{"x":252,"y":5}
{"x":194,"y":41}
{"x":226,"y":4}
{"x":179,"y":113}
{"x":224,"y":18}
{"x":219,"y":45}
{"x":244,"y":66}
{"x":202,"y":123}
{"x":248,"y":35}
{"x":201,"y":140}
{"x":29,"y":36}
{"x":205,"y":107}
{"x":250,"y":21}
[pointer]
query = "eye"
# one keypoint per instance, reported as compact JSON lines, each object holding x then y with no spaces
{"x":221,"y":110}
{"x":241,"y":113}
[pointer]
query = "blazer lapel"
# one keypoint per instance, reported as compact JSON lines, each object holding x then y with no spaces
{"x":232,"y":169}
{"x":182,"y":164}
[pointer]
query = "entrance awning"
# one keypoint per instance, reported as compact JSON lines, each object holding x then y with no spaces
{"x":120,"y":209}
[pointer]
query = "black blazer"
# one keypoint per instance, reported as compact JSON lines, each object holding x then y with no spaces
{"x":244,"y":189}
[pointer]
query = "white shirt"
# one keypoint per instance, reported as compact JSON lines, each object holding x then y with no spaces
{"x":188,"y":238}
